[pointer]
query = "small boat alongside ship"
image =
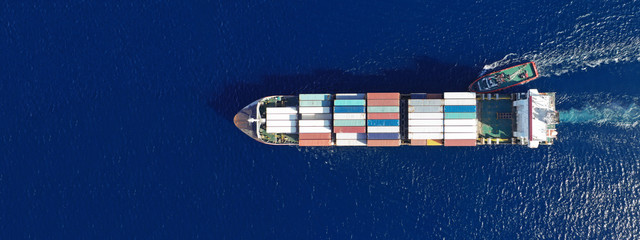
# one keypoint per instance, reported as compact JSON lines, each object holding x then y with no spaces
{"x":505,"y":78}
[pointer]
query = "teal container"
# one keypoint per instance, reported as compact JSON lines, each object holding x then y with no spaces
{"x":350,"y":102}
{"x":314,"y":97}
{"x":459,"y":115}
{"x":349,"y":123}
{"x":383,"y":122}
{"x":383,"y":109}
{"x":315,"y":104}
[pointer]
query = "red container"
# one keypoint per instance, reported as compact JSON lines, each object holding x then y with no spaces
{"x":383,"y":116}
{"x":435,"y":95}
{"x":349,"y":129}
{"x":383,"y":96}
{"x":310,"y":143}
{"x":383,"y":102}
{"x":418,"y":142}
{"x":383,"y":143}
{"x":459,"y":142}
{"x":312,"y":136}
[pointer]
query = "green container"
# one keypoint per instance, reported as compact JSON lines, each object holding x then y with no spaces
{"x":315,"y":104}
{"x":314,"y":97}
{"x":349,"y":123}
{"x":349,"y":102}
{"x":383,"y":109}
{"x":459,"y":115}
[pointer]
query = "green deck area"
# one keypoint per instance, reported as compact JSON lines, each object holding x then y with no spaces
{"x":490,"y":124}
{"x":514,"y":74}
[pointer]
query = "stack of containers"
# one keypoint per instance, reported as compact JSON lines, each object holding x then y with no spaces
{"x":349,"y":118}
{"x":383,"y":119}
{"x":315,"y":119}
{"x":282,"y":120}
{"x":426,"y":125}
{"x":460,"y":121}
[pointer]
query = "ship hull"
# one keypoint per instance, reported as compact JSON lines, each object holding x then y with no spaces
{"x":505,"y":78}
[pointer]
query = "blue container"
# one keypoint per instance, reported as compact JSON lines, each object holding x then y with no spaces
{"x":381,"y":136}
{"x":349,"y":109}
{"x":314,"y":103}
{"x":383,"y":122}
{"x":453,"y":108}
{"x":349,"y":102}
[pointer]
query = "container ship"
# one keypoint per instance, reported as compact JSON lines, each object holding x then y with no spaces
{"x":394,"y":119}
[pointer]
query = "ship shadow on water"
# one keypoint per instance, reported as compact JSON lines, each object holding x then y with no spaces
{"x":427,"y":75}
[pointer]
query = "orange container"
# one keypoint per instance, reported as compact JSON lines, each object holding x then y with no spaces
{"x":349,"y":129}
{"x":383,"y":143}
{"x":435,"y":95}
{"x":311,"y":143}
{"x":418,"y":142}
{"x":459,"y":142}
{"x":312,"y":136}
{"x":383,"y":116}
{"x":383,"y":102}
{"x":383,"y":96}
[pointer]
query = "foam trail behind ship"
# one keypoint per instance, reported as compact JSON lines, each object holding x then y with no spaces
{"x":604,"y":109}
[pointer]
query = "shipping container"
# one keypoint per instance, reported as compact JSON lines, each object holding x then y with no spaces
{"x":426,"y":129}
{"x":282,"y":129}
{"x":426,"y":116}
{"x":349,"y":102}
{"x":349,"y":109}
{"x":457,"y":108}
{"x":435,"y":142}
{"x":383,"y":109}
{"x":311,"y":136}
{"x":383,"y":129}
{"x":349,"y":122}
{"x":315,"y":142}
{"x":314,"y":97}
{"x":349,"y":129}
{"x":455,"y":101}
{"x":383,"y":115}
{"x":461,"y":122}
{"x":424,"y":109}
{"x":351,"y":142}
{"x":422,"y":102}
{"x":426,"y":135}
{"x":460,"y":129}
{"x":383,"y":143}
{"x":418,"y":96}
{"x":435,"y":96}
{"x":448,"y":95}
{"x":278,"y":110}
{"x":315,"y":109}
{"x":383,"y":122}
{"x":315,"y":129}
{"x":349,"y":116}
{"x":427,"y":122}
{"x":314,"y":103}
{"x":470,"y":135}
{"x":383,"y":136}
{"x":459,"y":115}
{"x":284,"y":116}
{"x":460,"y":142}
{"x":316,"y":116}
{"x":282,"y":123}
{"x":351,"y":136}
{"x":384,"y":102}
{"x":383,"y":96}
{"x":351,"y":96}
{"x":313,"y":123}
{"x":418,"y":142}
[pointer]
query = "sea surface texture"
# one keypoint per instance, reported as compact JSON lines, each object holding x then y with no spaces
{"x":116,"y":120}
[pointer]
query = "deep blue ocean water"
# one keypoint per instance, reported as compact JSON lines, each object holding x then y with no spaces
{"x":117,"y":120}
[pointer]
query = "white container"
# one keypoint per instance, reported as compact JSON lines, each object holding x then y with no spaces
{"x":460,"y":129}
{"x":457,"y":101}
{"x":425,"y":135}
{"x":425,"y":129}
{"x":282,"y":123}
{"x":315,"y":109}
{"x":277,"y":110}
{"x":282,"y":129}
{"x":349,"y":116}
{"x":460,"y":122}
{"x":426,"y":122}
{"x":313,"y":123}
{"x":351,"y":142}
{"x":283,"y":116}
{"x":459,"y":95}
{"x":315,"y":129}
{"x":350,"y":96}
{"x":351,"y":136}
{"x":422,"y":102}
{"x":426,"y":115}
{"x":316,"y":116}
{"x":387,"y":129}
{"x":470,"y":135}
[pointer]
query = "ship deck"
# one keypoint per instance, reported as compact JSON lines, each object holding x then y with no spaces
{"x":495,"y":118}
